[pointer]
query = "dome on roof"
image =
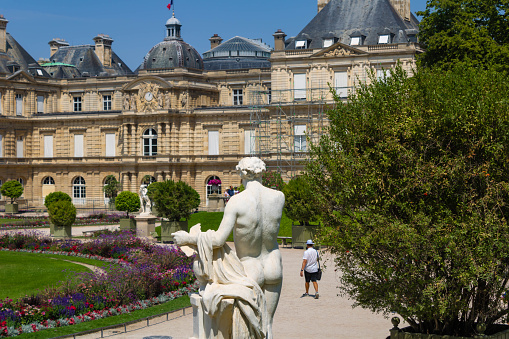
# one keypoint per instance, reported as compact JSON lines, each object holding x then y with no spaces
{"x":173,"y":21}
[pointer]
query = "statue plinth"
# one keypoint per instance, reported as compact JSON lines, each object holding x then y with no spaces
{"x":206,"y":327}
{"x":145,"y":225}
{"x":216,"y":203}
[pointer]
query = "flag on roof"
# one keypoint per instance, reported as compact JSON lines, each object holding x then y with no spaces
{"x":170,"y":4}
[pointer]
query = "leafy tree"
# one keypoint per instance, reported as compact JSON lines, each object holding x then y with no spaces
{"x":128,"y":202}
{"x":468,"y":32}
{"x":62,"y":213}
{"x":173,"y":200}
{"x":412,"y":181}
{"x":56,"y":196}
{"x":111,"y":188}
{"x":299,"y":200}
{"x":273,"y":180}
{"x":12,"y":189}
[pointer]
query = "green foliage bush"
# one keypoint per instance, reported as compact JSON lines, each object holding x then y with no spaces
{"x":412,"y":181}
{"x":62,"y":213}
{"x":12,"y":189}
{"x":273,"y":180}
{"x":111,"y":188}
{"x":173,"y":200}
{"x":300,"y":200}
{"x":128,"y":202}
{"x":56,"y":196}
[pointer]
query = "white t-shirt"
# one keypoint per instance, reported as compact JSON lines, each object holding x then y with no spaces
{"x":311,"y":255}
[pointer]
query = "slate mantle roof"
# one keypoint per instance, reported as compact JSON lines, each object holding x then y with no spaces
{"x":343,"y":19}
{"x":17,"y":56}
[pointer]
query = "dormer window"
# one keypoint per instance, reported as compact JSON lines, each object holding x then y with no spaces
{"x":383,"y":39}
{"x":355,"y":41}
{"x":328,"y":42}
{"x":301,"y":44}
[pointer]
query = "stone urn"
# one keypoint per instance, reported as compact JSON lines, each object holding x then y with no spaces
{"x":11,"y":208}
{"x":169,"y":227}
{"x":64,"y":232}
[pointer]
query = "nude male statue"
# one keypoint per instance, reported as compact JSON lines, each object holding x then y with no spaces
{"x":146,"y":204}
{"x":254,"y":216}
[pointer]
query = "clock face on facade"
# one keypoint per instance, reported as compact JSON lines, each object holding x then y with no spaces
{"x":149,"y":96}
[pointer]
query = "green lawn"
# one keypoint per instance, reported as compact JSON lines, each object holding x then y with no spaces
{"x":24,"y":273}
{"x":120,"y":319}
{"x":211,"y":220}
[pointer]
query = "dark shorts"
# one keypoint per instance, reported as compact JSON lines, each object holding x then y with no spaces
{"x":310,"y":276}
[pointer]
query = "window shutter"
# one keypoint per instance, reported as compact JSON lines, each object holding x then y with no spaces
{"x":300,"y":129}
{"x":40,"y":104}
{"x":1,"y":146}
{"x":110,"y":144}
{"x":341,"y":84}
{"x":213,"y":142}
{"x":48,"y":146}
{"x":19,"y":148}
{"x":299,"y":86}
{"x":249,"y":142}
{"x":0,"y":102}
{"x":78,"y":145}
{"x":19,"y":105}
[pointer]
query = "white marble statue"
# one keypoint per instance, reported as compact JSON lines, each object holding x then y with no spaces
{"x":146,"y":204}
{"x":251,"y":276}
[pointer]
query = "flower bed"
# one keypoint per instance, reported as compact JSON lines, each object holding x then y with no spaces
{"x":146,"y":271}
{"x":43,"y":221}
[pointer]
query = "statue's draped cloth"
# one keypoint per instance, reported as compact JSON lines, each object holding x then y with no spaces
{"x":226,"y":278}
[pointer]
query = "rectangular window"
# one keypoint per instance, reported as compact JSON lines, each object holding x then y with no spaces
{"x":301,"y":44}
{"x":382,"y":74}
{"x":249,"y":142}
{"x":299,"y":86}
{"x":40,"y":104}
{"x":107,"y":103}
{"x":341,"y":84}
{"x":269,"y":95}
{"x":355,"y":41}
{"x":1,"y":146}
{"x":19,"y":104}
{"x":300,"y":138}
{"x":328,"y":43}
{"x":77,"y":104}
{"x":238,"y":97}
{"x":0,"y":102}
{"x":110,"y":144}
{"x":48,"y":146}
{"x":383,"y":39}
{"x":19,"y":147}
{"x":78,"y":145}
{"x":213,"y":142}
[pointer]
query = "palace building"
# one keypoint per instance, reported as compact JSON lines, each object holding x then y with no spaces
{"x":69,"y":121}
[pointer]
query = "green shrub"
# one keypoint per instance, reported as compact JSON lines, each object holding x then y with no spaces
{"x":128,"y":202}
{"x":300,"y":202}
{"x":56,"y":196}
{"x":111,"y":188}
{"x":62,"y":213}
{"x":12,"y":189}
{"x":173,"y":200}
{"x":273,"y":180}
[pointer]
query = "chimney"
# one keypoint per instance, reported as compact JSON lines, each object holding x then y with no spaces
{"x":3,"y":34}
{"x":215,"y":41}
{"x":322,"y":4}
{"x":403,"y":8}
{"x":103,"y":44}
{"x":279,"y":40}
{"x":55,"y":44}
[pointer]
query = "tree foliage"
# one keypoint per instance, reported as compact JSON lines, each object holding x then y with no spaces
{"x":56,"y":196}
{"x":173,"y":200}
{"x":299,"y":200}
{"x":467,"y":32}
{"x":111,"y":187}
{"x":128,"y":202}
{"x":412,"y":179}
{"x":62,"y":213}
{"x":12,"y":189}
{"x":273,"y":180}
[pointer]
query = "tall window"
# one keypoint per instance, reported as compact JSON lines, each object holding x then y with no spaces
{"x":77,"y":104}
{"x":106,"y":102}
{"x":110,"y":144}
{"x":78,"y":145}
{"x":341,"y":84}
{"x":238,"y":97}
{"x":213,"y":188}
{"x":40,"y":104}
{"x":249,"y":142}
{"x":1,"y":146}
{"x":19,"y":147}
{"x":382,"y":74}
{"x":0,"y":102}
{"x":300,"y":138}
{"x":269,"y":95}
{"x":22,"y":182}
{"x":150,"y":142}
{"x":213,"y":142}
{"x":79,"y":190}
{"x":48,"y":146}
{"x":19,"y":104}
{"x":299,"y":86}
{"x":48,"y":186}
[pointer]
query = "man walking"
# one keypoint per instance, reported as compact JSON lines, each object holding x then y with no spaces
{"x":310,"y":268}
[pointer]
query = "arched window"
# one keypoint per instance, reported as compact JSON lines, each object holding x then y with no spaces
{"x":22,"y":182}
{"x":147,"y":180}
{"x":213,"y":186}
{"x":48,"y":181}
{"x":79,"y":190}
{"x":150,"y":142}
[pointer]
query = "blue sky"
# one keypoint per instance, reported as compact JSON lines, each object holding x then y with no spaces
{"x":136,"y":26}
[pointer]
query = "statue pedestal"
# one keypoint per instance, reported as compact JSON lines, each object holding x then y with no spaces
{"x":145,"y":226}
{"x":206,"y":327}
{"x":216,"y":203}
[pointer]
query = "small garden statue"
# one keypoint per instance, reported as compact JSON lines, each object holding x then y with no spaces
{"x":146,"y":204}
